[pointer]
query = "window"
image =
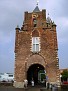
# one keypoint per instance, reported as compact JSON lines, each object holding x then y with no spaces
{"x":10,"y":75}
{"x":35,"y":22}
{"x":35,"y":44}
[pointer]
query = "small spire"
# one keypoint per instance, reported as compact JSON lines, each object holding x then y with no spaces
{"x":48,"y":14}
{"x":17,"y":27}
{"x":37,"y":2}
{"x":36,"y":8}
{"x":49,"y":19}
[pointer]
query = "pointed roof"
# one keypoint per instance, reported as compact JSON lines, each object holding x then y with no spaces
{"x":36,"y":9}
{"x":48,"y":19}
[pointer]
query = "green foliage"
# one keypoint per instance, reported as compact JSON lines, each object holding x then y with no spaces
{"x":43,"y":77}
{"x":41,"y":71}
{"x":42,"y":74}
{"x":64,"y":74}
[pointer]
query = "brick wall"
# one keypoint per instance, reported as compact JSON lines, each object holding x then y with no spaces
{"x":47,"y":56}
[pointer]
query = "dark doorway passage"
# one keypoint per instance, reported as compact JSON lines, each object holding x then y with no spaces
{"x":32,"y":73}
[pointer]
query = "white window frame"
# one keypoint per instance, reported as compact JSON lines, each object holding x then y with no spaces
{"x":35,"y":44}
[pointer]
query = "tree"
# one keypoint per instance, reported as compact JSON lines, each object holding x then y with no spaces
{"x":64,"y":75}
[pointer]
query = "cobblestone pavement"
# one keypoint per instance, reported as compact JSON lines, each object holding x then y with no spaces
{"x":19,"y":89}
{"x":27,"y":89}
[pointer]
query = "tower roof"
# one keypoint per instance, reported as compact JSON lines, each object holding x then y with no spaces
{"x":36,"y":9}
{"x":48,"y":19}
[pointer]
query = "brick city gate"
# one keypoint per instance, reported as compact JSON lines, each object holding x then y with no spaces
{"x":36,"y":45}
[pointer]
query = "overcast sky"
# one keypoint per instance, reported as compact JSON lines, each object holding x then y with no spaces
{"x":12,"y":14}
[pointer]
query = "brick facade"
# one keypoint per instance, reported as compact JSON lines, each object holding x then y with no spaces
{"x":48,"y":54}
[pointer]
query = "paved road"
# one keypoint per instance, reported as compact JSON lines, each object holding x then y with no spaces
{"x":28,"y":89}
{"x":21,"y":89}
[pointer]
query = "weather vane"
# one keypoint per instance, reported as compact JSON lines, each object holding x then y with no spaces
{"x":37,"y":2}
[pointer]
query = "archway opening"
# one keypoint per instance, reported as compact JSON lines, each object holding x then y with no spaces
{"x":36,"y":72}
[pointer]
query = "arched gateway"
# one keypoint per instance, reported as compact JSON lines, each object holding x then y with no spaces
{"x":35,"y":64}
{"x":33,"y":73}
{"x":36,"y":50}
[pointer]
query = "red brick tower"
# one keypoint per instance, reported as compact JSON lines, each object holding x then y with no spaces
{"x":36,"y":49}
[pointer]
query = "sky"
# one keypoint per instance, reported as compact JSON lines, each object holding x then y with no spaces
{"x":12,"y":14}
